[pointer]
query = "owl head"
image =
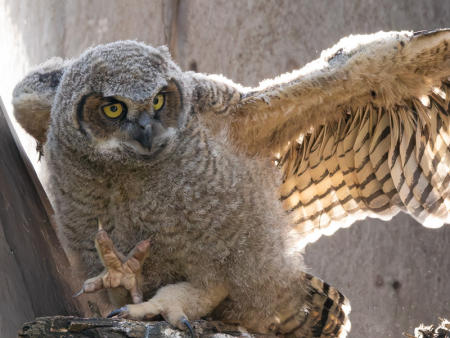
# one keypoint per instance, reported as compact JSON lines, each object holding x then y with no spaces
{"x":120,"y":100}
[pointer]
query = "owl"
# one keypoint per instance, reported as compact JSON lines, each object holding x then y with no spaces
{"x":206,"y":192}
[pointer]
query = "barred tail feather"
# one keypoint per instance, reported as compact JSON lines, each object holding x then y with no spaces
{"x":326,"y":313}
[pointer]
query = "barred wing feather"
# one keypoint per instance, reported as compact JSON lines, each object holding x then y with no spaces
{"x":362,"y":132}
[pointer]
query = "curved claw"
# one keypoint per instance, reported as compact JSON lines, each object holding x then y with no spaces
{"x":117,"y":312}
{"x":79,"y":293}
{"x":189,"y":326}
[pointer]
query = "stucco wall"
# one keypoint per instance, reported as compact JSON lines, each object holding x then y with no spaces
{"x":396,"y":274}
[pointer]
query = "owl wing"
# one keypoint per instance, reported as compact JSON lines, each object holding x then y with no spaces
{"x":362,"y":131}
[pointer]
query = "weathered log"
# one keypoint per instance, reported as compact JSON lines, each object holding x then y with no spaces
{"x":74,"y":327}
{"x":60,"y":326}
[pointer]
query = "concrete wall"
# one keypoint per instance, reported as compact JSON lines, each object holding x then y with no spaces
{"x":396,"y":274}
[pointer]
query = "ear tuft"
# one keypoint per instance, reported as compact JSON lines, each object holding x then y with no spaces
{"x":33,"y":97}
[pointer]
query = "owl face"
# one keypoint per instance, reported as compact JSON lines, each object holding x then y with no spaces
{"x":121,"y":100}
{"x":119,"y":125}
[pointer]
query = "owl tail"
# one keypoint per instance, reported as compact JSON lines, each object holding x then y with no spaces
{"x":325,"y":315}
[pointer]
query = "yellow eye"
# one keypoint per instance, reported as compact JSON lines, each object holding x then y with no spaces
{"x":113,"y":111}
{"x":158,"y":102}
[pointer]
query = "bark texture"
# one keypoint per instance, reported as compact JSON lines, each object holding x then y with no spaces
{"x":60,"y":326}
{"x":74,"y":327}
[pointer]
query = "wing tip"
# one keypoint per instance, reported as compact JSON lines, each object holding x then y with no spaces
{"x":430,"y":32}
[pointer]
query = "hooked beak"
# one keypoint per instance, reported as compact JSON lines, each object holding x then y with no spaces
{"x":144,"y":131}
{"x":145,"y":136}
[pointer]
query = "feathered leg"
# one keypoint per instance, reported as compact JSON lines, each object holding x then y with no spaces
{"x":177,"y":303}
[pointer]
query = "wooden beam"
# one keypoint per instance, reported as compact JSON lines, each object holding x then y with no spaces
{"x":25,"y":214}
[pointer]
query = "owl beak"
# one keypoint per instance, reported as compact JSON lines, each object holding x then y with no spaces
{"x":145,"y":136}
{"x":144,"y":132}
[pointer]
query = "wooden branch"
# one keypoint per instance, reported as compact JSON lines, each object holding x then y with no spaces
{"x":114,"y":328}
{"x":60,"y":326}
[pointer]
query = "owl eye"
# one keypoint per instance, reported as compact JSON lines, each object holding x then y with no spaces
{"x":113,"y":110}
{"x":158,"y":102}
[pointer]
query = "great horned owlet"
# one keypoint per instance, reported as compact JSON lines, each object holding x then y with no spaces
{"x":227,"y":184}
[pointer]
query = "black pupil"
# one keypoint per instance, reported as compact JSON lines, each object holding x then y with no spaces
{"x":114,"y":108}
{"x":155,"y":100}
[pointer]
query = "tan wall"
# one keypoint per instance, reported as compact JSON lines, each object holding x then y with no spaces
{"x":396,"y":274}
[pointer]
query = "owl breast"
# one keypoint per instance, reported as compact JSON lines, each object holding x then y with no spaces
{"x":202,"y":208}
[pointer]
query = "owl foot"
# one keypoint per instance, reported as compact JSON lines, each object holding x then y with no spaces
{"x":181,"y":323}
{"x":119,"y":270}
{"x":176,"y":303}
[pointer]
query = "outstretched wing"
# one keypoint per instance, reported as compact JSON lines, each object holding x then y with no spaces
{"x":362,"y":131}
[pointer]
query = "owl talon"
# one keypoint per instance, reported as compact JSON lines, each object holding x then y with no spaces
{"x":79,"y":293}
{"x":121,"y":312}
{"x":119,"y":270}
{"x":188,"y":325}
